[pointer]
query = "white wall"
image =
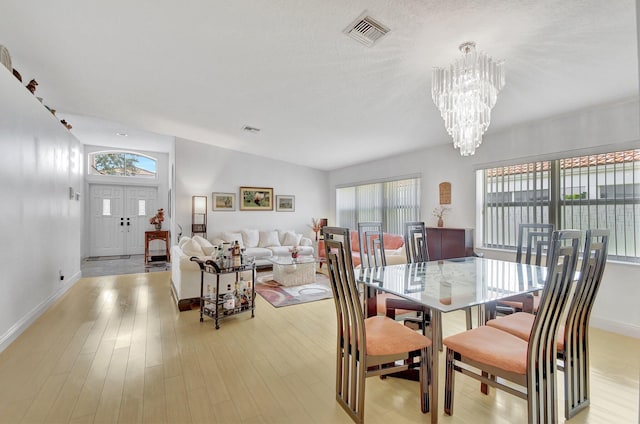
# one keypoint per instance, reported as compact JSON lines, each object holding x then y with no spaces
{"x":41,"y":225}
{"x":604,"y":128}
{"x":201,"y":169}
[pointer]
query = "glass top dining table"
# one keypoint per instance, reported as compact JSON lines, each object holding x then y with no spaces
{"x":451,"y":285}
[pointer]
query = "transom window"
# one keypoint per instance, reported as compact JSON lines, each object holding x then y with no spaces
{"x":594,"y":191}
{"x":122,"y":164}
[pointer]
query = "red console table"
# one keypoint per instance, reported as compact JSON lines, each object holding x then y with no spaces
{"x":156,"y":235}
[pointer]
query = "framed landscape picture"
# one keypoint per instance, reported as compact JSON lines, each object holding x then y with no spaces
{"x":285,"y":203}
{"x":224,"y":201}
{"x":256,"y":199}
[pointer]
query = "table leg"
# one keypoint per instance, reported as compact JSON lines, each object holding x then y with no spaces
{"x":436,"y":323}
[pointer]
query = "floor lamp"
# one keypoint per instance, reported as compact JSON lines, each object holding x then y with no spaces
{"x":199,"y":215}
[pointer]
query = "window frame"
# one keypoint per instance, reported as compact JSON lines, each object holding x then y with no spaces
{"x":93,"y":173}
{"x":618,"y":170}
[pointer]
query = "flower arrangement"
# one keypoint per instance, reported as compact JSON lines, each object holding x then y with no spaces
{"x":157,"y":219}
{"x":316,"y":225}
{"x":439,"y":213}
{"x":294,"y":252}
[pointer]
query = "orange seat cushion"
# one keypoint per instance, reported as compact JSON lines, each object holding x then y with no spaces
{"x":490,"y":346}
{"x":518,"y":305}
{"x":520,"y":324}
{"x":388,"y":337}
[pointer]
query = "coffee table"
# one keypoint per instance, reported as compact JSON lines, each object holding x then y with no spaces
{"x":293,"y":272}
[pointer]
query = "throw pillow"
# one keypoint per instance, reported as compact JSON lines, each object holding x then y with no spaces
{"x":251,"y":238}
{"x":282,"y":234}
{"x":232,"y":237}
{"x":183,"y":240}
{"x":291,"y":239}
{"x":268,"y":238}
{"x":192,"y":248}
{"x":203,"y":242}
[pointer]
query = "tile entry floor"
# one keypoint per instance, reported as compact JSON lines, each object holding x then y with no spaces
{"x":116,"y":265}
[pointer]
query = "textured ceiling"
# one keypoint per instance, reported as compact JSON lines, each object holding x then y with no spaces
{"x":201,"y":70}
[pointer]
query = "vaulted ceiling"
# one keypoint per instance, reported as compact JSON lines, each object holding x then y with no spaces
{"x":202,"y":70}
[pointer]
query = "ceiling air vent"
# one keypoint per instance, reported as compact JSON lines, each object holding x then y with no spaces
{"x":251,"y":129}
{"x":366,"y":30}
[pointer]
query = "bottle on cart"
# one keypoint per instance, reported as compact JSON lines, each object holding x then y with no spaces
{"x":242,"y":292}
{"x":235,"y":255}
{"x":228,"y":301}
{"x":236,"y":295}
{"x":249,"y":291}
{"x":209,"y":293}
{"x":215,"y":255}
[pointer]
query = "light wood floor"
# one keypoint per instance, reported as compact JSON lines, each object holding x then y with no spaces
{"x":116,"y":349}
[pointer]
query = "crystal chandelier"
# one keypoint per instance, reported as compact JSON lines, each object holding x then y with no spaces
{"x":465,"y":92}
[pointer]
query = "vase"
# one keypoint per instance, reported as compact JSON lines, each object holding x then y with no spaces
{"x":440,"y":222}
{"x":158,"y":226}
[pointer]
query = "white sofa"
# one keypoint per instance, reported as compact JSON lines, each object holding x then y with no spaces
{"x":185,"y":274}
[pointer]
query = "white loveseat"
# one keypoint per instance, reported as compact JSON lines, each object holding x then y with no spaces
{"x":185,"y":274}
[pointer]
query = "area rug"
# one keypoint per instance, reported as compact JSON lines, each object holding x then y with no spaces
{"x":280,"y":296}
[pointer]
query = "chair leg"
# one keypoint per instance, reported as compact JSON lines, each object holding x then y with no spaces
{"x":449,"y":380}
{"x":484,"y":387}
{"x":469,"y":319}
{"x":425,"y":384}
{"x":576,"y":377}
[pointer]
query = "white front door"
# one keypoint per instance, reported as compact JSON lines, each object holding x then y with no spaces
{"x":119,"y":218}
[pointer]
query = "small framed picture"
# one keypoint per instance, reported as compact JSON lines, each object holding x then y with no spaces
{"x":224,"y":201}
{"x":285,"y":203}
{"x":256,"y":199}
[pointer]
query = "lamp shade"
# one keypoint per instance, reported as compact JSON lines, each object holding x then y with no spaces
{"x":200,"y":204}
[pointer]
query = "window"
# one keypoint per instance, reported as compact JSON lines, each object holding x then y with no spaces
{"x":514,"y":195}
{"x":124,"y":164}
{"x":594,"y":191}
{"x":106,"y":207}
{"x":391,"y":202}
{"x":142,"y":207}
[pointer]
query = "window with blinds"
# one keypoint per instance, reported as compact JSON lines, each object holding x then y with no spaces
{"x":514,"y":195}
{"x":593,"y":191}
{"x":391,"y":202}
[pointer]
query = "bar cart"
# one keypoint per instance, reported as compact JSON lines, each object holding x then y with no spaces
{"x":238,"y":299}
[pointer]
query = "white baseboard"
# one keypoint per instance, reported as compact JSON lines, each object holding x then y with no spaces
{"x":622,"y":328}
{"x":29,"y":318}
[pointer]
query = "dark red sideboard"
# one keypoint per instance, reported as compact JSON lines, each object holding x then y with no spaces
{"x":447,"y":243}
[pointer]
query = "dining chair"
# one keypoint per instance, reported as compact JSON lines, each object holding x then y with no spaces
{"x":486,"y":353}
{"x":371,"y":247}
{"x":533,"y":245}
{"x":573,"y":337}
{"x":367,"y":346}
{"x":415,"y":242}
{"x":415,"y":245}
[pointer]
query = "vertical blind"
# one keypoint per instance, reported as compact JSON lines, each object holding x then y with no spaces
{"x":391,"y":202}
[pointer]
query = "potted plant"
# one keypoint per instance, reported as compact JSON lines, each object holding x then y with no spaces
{"x":156,"y":220}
